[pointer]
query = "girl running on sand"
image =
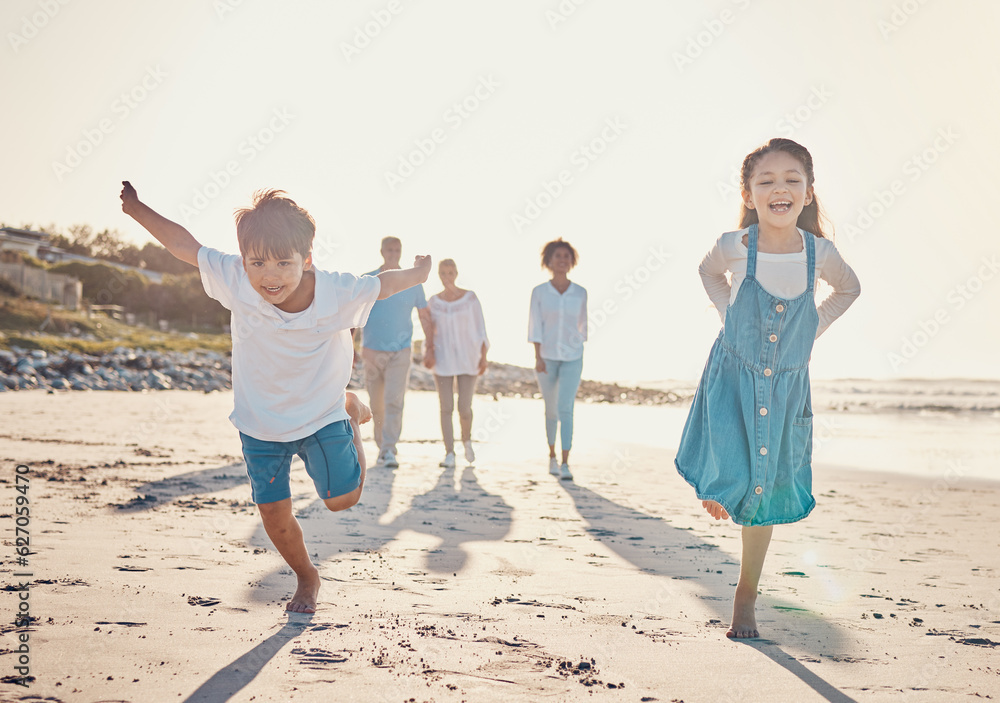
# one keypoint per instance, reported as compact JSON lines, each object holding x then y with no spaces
{"x":747,"y":444}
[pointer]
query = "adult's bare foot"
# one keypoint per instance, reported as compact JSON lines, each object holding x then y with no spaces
{"x":744,"y":619}
{"x":715,"y":510}
{"x":358,"y":411}
{"x":304,"y":598}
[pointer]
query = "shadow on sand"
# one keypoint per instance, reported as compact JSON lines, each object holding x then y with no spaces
{"x":231,"y":679}
{"x":648,"y":542}
{"x":656,"y":547}
{"x":442,"y":512}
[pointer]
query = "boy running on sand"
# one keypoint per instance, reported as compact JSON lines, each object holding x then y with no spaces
{"x":292,"y":355}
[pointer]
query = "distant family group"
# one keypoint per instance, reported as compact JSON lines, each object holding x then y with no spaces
{"x":455,"y":349}
{"x":746,"y":447}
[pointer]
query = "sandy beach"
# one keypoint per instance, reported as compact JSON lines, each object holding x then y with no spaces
{"x":152,"y":579}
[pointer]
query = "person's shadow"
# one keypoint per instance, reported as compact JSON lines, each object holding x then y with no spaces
{"x":453,"y":514}
{"x":231,"y":679}
{"x":457,"y":516}
{"x":656,"y":547}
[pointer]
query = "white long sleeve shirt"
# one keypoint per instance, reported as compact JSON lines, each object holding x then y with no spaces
{"x":558,"y":321}
{"x":459,"y":334}
{"x":781,"y":275}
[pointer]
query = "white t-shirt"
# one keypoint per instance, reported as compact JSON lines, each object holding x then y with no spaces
{"x":781,"y":275}
{"x":558,"y":321}
{"x":459,"y":334}
{"x":290,"y":370}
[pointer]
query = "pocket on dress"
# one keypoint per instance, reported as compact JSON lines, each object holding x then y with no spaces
{"x":802,"y":435}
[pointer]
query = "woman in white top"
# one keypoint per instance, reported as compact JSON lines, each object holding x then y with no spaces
{"x":455,"y":351}
{"x":557,"y":326}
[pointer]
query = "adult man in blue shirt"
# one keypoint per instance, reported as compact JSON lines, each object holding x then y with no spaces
{"x":388,"y":336}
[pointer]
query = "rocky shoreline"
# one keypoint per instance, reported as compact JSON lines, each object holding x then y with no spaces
{"x":127,"y":369}
{"x":121,"y":370}
{"x":516,"y":381}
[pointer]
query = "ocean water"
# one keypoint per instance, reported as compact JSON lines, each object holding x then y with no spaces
{"x":923,"y":396}
{"x":939,"y":429}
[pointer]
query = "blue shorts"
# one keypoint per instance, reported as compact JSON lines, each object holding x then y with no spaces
{"x":330,"y":457}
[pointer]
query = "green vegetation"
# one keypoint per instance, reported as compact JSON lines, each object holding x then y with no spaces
{"x":109,"y":246}
{"x":22,"y":321}
{"x":179,"y":298}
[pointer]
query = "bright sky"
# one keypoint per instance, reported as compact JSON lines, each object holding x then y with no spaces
{"x":441,"y":121}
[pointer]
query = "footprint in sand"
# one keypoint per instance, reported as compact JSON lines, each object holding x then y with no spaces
{"x":977,"y":641}
{"x":325,"y":626}
{"x":317,"y":658}
{"x":205,"y":602}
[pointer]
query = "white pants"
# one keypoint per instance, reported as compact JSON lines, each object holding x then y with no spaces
{"x":386,"y":377}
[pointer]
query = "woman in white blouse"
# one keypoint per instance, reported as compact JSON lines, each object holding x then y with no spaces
{"x":557,"y":326}
{"x":456,"y":352}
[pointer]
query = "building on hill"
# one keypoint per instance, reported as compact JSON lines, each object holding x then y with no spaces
{"x":22,"y":240}
{"x":55,"y":255}
{"x":37,"y":244}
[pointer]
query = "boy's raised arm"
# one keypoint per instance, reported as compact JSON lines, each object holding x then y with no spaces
{"x":396,"y":280}
{"x":177,"y":240}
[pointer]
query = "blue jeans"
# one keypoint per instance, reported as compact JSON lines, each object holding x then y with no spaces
{"x":559,"y":385}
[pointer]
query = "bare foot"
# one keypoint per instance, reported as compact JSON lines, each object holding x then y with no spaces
{"x":744,"y":620}
{"x":304,"y":598}
{"x":715,"y":510}
{"x":358,"y":411}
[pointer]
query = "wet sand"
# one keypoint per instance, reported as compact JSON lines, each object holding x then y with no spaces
{"x":153,"y":580}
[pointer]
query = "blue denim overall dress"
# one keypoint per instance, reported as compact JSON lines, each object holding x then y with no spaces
{"x":747,"y":443}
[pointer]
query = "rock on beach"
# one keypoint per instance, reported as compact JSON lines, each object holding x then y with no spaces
{"x":128,"y":369}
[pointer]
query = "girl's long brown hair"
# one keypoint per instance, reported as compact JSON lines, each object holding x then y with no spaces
{"x":812,"y":217}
